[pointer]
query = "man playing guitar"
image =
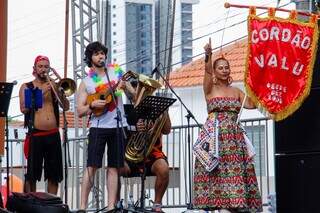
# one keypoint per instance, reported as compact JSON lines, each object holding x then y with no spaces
{"x":103,"y":126}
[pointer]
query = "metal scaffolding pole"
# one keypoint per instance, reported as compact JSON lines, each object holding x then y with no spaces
{"x":3,"y":75}
{"x":85,"y":29}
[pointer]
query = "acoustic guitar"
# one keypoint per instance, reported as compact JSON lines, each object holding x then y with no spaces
{"x":103,"y":95}
{"x":107,"y":95}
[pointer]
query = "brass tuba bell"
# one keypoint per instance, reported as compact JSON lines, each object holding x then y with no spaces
{"x":146,"y":86}
{"x":139,"y":140}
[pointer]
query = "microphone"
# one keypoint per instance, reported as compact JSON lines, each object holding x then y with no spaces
{"x":103,"y":63}
{"x":156,"y":69}
{"x":15,"y":82}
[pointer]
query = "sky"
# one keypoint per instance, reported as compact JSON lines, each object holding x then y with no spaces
{"x":37,"y":27}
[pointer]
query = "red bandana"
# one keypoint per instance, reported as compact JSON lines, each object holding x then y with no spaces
{"x":40,"y":58}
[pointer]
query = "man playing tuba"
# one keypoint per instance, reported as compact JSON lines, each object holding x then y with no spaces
{"x":156,"y":162}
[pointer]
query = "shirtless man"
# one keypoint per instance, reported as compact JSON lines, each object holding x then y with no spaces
{"x":44,"y":144}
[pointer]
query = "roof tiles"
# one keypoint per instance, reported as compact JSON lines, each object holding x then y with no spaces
{"x":192,"y":73}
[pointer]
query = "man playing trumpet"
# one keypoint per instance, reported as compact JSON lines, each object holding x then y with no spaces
{"x":43,"y":135}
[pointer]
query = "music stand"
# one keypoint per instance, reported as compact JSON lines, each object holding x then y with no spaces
{"x":5,"y":96}
{"x":150,"y":108}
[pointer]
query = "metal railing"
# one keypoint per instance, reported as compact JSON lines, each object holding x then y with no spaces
{"x":175,"y":146}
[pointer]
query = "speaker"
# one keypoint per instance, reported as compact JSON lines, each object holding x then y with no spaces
{"x":297,"y":183}
{"x":316,"y":68}
{"x":300,"y":131}
{"x":297,"y":148}
{"x":36,"y":202}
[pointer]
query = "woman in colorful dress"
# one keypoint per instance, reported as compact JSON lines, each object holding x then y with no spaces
{"x":224,"y":175}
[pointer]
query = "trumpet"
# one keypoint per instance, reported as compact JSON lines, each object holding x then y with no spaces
{"x":67,"y":85}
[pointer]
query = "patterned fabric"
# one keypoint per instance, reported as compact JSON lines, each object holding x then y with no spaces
{"x":207,"y":146}
{"x":232,"y":184}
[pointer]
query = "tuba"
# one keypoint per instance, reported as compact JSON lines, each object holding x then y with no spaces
{"x":139,"y":140}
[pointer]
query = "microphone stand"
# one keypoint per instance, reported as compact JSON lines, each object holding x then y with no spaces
{"x":188,"y":116}
{"x":118,"y":117}
{"x":65,"y":151}
{"x":31,"y":125}
{"x":65,"y":139}
{"x":33,"y":108}
{"x":120,"y":137}
{"x":5,"y":95}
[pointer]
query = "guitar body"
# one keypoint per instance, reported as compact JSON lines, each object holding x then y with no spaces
{"x":100,"y":96}
{"x":107,"y":96}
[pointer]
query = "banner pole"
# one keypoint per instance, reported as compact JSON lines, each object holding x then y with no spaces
{"x":228,"y":5}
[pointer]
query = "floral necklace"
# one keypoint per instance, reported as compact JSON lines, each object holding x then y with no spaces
{"x":102,"y":86}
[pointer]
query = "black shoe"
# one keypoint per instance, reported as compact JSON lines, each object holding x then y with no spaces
{"x":81,"y":211}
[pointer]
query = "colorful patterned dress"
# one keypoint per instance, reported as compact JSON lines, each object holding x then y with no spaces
{"x":232,"y":184}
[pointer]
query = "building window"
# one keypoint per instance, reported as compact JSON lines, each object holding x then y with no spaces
{"x":114,"y":51}
{"x":186,"y":7}
{"x":142,"y":52}
{"x":143,"y":8}
{"x":143,"y":17}
{"x":186,"y":17}
{"x":114,"y":24}
{"x":114,"y":60}
{"x":114,"y":42}
{"x":187,"y":52}
{"x":114,"y":6}
{"x":114,"y":15}
{"x":114,"y":33}
{"x":187,"y":25}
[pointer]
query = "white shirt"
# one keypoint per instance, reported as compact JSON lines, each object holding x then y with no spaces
{"x":107,"y":119}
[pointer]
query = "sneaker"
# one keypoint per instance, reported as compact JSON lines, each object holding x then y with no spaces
{"x":157,"y":208}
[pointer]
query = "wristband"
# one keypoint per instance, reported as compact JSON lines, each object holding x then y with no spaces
{"x":207,"y":57}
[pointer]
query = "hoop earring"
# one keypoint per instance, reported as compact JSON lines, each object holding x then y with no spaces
{"x":230,"y":80}
{"x":214,"y":80}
